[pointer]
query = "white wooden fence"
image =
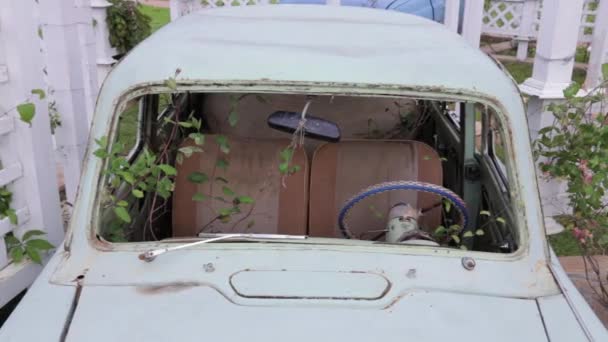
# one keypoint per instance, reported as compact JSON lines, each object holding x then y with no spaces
{"x":26,"y":155}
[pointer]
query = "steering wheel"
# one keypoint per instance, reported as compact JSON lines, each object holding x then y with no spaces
{"x":458,"y":202}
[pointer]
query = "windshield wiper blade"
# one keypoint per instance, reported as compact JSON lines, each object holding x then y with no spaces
{"x":153,"y":253}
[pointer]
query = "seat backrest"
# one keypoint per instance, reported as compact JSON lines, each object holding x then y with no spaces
{"x":280,"y":205}
{"x":341,"y":170}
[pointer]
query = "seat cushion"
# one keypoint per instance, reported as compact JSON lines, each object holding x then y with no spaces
{"x":341,"y":170}
{"x":253,"y":170}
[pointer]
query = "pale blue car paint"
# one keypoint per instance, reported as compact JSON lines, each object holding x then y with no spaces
{"x":92,"y":290}
{"x":430,"y":9}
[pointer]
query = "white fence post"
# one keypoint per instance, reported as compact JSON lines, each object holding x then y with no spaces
{"x":552,"y":73}
{"x":472,"y":21}
{"x":452,"y":14}
{"x":599,"y":47}
{"x":102,"y":37}
{"x":525,"y":28}
{"x":555,"y":50}
{"x":66,"y":78}
{"x":174,"y":9}
{"x":88,"y":50}
{"x":28,"y":168}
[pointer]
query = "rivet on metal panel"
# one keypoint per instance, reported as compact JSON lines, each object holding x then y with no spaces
{"x":468,"y":263}
{"x":209,"y":267}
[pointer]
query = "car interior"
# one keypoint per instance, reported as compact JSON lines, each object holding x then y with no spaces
{"x":328,"y":168}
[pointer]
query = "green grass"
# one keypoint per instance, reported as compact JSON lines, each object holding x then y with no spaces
{"x":127,"y":127}
{"x":564,"y":244}
{"x":159,"y":17}
{"x":521,"y":71}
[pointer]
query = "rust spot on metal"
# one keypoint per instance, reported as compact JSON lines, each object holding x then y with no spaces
{"x":166,"y":288}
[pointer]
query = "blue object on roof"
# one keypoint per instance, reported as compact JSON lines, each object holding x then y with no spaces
{"x":431,"y":9}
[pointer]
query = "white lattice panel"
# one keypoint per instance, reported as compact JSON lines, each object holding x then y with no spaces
{"x":503,"y":17}
{"x":588,"y":20}
{"x":187,"y":6}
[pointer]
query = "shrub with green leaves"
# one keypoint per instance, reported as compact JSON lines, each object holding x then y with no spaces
{"x":575,"y":149}
{"x":127,"y":24}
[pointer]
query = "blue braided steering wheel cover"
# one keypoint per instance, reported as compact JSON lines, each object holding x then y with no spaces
{"x":401,"y":185}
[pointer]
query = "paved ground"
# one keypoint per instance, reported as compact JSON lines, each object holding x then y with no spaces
{"x":575,"y":268}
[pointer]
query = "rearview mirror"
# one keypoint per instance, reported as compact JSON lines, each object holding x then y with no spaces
{"x":315,"y":128}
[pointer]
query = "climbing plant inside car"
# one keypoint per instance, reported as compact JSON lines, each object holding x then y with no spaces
{"x":150,"y":177}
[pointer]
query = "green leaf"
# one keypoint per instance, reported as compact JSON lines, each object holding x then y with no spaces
{"x":199,"y":138}
{"x":168,"y":169}
{"x":227,"y":191}
{"x":245,"y":199}
{"x":222,"y":163}
{"x":283,"y":168}
{"x":16,"y":254}
{"x":501,"y":220}
{"x":605,"y":71}
{"x":128,"y":177}
{"x":286,"y":154}
{"x":39,"y":244}
{"x":171,"y":83}
{"x":12,"y":216}
{"x":447,"y":205}
{"x":41,"y":94}
{"x":31,"y":233}
{"x":479,"y":232}
{"x":233,"y":118}
{"x":33,"y":254}
{"x":189,"y":150}
{"x":222,"y":142}
{"x":456,"y":238}
{"x":198,"y":177}
{"x":122,"y":214}
{"x":198,"y":197}
{"x":137,"y":193}
{"x":26,"y":111}
{"x":122,"y":203}
{"x":468,"y":234}
{"x":440,"y":231}
{"x":485,"y":213}
{"x":572,"y":89}
{"x":11,"y":240}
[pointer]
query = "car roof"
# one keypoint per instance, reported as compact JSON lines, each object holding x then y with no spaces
{"x":315,"y":44}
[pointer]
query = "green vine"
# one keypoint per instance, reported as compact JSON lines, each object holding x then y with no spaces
{"x":127,"y":24}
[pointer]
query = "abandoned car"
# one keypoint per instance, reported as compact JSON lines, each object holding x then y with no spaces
{"x":306,"y":173}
